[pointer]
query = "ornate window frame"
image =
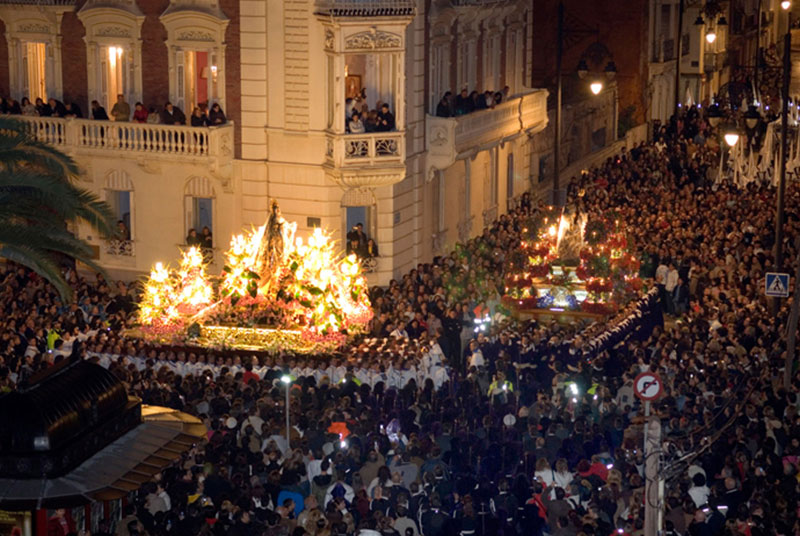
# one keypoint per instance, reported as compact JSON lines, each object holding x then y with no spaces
{"x":34,"y":23}
{"x":112,"y":24}
{"x":199,"y":28}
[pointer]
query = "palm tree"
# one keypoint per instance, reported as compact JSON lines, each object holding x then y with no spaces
{"x":37,"y":199}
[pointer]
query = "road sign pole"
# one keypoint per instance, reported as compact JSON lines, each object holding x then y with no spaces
{"x":791,"y":335}
{"x":653,"y":490}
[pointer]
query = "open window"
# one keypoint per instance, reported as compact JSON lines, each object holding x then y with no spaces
{"x":196,"y":41}
{"x":196,"y":79}
{"x":199,"y":210}
{"x":113,"y":51}
{"x":32,"y":33}
{"x":119,"y":196}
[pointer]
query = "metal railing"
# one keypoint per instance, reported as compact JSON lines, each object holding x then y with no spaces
{"x":37,"y":2}
{"x":366,"y":149}
{"x":366,"y":8}
{"x":120,"y":248}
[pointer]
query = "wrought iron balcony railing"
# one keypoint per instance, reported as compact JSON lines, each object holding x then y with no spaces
{"x":366,"y":8}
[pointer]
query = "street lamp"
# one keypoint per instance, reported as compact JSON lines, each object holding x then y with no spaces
{"x":595,"y":87}
{"x":785,"y":5}
{"x":714,"y":115}
{"x":731,"y":138}
{"x":751,"y":117}
{"x":711,"y":36}
{"x":287,"y":380}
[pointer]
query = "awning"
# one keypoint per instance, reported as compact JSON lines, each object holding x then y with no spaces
{"x":121,"y":467}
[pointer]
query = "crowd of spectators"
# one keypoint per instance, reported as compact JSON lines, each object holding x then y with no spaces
{"x":451,"y":418}
{"x":360,"y":244}
{"x":359,"y":118}
{"x":202,"y":115}
{"x":466,"y":102}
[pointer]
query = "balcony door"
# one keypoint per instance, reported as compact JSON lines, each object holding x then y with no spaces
{"x":196,"y":79}
{"x":36,"y":75}
{"x":116,"y":75}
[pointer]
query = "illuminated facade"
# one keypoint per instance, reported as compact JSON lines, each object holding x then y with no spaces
{"x":283,"y":72}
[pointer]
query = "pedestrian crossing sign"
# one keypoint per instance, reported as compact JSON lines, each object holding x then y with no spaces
{"x":776,"y":285}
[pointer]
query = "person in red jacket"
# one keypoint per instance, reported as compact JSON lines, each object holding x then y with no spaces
{"x":60,"y":524}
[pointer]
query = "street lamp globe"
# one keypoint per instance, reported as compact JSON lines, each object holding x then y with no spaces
{"x":286,"y":379}
{"x":731,"y":138}
{"x":786,"y":4}
{"x":752,"y":117}
{"x":711,"y":36}
{"x":596,"y":87}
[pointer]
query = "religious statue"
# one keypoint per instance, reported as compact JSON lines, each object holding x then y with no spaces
{"x":277,"y":234}
{"x":570,"y":239}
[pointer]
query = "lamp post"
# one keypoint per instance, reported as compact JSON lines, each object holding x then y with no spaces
{"x":714,"y":18}
{"x":286,"y":379}
{"x":595,"y":87}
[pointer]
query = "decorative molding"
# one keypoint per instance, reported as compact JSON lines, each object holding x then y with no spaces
{"x":489,"y":215}
{"x":196,"y":35}
{"x":34,"y":27}
{"x":225,"y":145}
{"x":440,"y":139}
{"x":373,"y":39}
{"x":465,"y":229}
{"x":438,"y":240}
{"x":112,"y":31}
{"x":329,"y":39}
{"x":148,"y":165}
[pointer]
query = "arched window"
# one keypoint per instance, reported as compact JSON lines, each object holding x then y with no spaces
{"x":196,"y":44}
{"x":113,"y":51}
{"x":34,"y":50}
{"x":199,"y":206}
{"x":118,"y":190}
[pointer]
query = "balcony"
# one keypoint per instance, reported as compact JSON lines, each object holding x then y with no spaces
{"x":371,"y":159}
{"x":37,"y":2}
{"x":450,"y":138}
{"x":366,"y":8}
{"x":664,"y":51}
{"x":86,"y":136}
{"x":488,"y":127}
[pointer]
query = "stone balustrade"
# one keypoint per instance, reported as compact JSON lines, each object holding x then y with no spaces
{"x":132,"y":138}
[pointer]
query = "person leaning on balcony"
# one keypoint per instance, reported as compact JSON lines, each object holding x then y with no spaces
{"x":28,"y":108}
{"x":13,"y":107}
{"x":172,"y":115}
{"x":356,"y":126}
{"x":122,"y":233}
{"x":121,"y":110}
{"x":371,"y":249}
{"x":153,"y":117}
{"x":140,"y":113}
{"x":199,"y":119}
{"x":463,"y":103}
{"x":73,"y":111}
{"x":385,"y":119}
{"x":42,"y":109}
{"x":192,"y":239}
{"x":98,"y":112}
{"x":216,"y":116}
{"x":371,"y":121}
{"x":57,"y":108}
{"x":206,"y":238}
{"x":443,"y":109}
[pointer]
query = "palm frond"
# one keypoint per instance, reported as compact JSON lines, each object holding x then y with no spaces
{"x":37,"y":199}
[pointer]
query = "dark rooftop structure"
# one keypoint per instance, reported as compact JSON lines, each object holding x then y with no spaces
{"x":72,"y":435}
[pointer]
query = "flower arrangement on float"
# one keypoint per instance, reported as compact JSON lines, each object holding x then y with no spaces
{"x":567,"y":263}
{"x":276,"y":292}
